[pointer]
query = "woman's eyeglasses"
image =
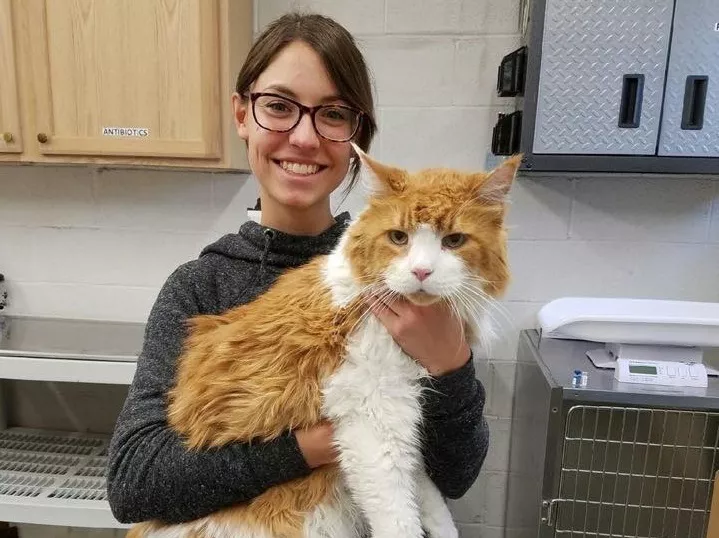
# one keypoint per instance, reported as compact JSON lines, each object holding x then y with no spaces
{"x":273,"y":112}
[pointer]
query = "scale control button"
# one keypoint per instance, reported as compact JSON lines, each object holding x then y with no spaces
{"x":671,"y":371}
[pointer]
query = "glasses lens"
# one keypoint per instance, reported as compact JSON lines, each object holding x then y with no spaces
{"x":275,"y":113}
{"x":337,"y":122}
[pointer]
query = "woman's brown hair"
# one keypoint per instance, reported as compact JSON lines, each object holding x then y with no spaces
{"x":340,"y":56}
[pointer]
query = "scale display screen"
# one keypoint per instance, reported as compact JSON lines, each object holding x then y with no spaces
{"x":642,"y":369}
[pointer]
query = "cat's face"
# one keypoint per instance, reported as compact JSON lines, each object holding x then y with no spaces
{"x":437,"y":234}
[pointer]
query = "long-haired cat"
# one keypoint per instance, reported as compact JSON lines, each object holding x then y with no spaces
{"x":309,"y":349}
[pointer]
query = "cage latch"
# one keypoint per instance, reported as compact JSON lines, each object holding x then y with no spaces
{"x":549,"y":510}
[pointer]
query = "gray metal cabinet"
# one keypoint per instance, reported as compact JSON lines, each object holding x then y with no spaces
{"x":602,"y":76}
{"x":690,"y":123}
{"x":627,"y":86}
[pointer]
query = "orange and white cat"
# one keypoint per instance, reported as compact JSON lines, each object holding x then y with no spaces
{"x":309,"y":349}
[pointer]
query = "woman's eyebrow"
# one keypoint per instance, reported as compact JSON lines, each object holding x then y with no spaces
{"x":281,"y":88}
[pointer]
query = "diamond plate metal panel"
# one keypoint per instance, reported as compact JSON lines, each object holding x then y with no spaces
{"x":588,"y":46}
{"x":694,"y":51}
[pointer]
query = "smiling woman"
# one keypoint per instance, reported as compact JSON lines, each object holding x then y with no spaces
{"x":296,"y":166}
{"x":302,"y":98}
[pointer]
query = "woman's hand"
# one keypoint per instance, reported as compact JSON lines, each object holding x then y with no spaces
{"x":432,"y":335}
{"x":316,"y":444}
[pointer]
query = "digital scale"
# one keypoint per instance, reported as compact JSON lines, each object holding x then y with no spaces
{"x":645,"y":341}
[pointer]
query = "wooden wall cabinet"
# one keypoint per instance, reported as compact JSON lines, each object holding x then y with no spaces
{"x":125,"y":82}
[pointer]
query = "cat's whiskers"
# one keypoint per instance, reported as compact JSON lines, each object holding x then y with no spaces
{"x":476,"y":311}
{"x":356,"y":303}
{"x":492,"y":301}
{"x":380,"y":295}
{"x":482,"y":311}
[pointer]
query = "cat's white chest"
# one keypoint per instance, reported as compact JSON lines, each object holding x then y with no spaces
{"x":376,"y":380}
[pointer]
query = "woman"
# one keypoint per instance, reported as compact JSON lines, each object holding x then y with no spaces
{"x":302,"y":95}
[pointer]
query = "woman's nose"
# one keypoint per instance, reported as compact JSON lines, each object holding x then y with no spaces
{"x":304,"y":134}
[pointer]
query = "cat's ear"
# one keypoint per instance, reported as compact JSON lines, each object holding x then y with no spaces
{"x":496,"y":186}
{"x":379,"y":178}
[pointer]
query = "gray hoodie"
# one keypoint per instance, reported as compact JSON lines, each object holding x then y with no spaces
{"x":151,"y":475}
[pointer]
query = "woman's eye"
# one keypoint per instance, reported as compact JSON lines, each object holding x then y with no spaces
{"x":398,"y":237}
{"x":278,"y":106}
{"x":453,"y":240}
{"x":335,"y":114}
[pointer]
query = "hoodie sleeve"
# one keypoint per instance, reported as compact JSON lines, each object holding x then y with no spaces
{"x":151,"y":474}
{"x":455,"y":432}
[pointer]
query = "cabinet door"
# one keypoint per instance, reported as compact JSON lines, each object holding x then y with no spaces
{"x":10,"y":139}
{"x":126,"y":77}
{"x":602,"y":76}
{"x":690,"y":123}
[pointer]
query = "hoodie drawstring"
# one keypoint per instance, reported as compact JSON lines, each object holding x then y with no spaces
{"x":269,"y":236}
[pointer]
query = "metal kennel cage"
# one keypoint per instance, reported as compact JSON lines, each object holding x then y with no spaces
{"x":607,"y":460}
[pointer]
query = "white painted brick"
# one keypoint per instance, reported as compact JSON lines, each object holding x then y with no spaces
{"x":500,"y":399}
{"x":525,"y":532}
{"x":46,"y":196}
{"x":485,"y":501}
{"x":540,"y":209}
{"x":509,"y":318}
{"x":422,"y":16}
{"x":231,"y":196}
{"x":470,"y":508}
{"x":106,"y":257}
{"x":82,"y":301}
{"x":489,"y":17}
{"x":498,"y":454}
{"x":424,"y":137}
{"x":545,"y":270}
{"x":481,"y":366}
{"x":714,"y":227}
{"x":360,"y":18}
{"x":155,"y":200}
{"x":652,"y":209}
{"x":475,"y":69}
{"x":473,"y":530}
{"x":267,"y":11}
{"x":353,"y":201}
{"x":411,"y":71}
{"x":17,"y":247}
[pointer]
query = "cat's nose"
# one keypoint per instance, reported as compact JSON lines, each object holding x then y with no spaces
{"x":421,"y":274}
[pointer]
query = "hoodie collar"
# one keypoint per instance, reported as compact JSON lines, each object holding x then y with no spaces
{"x":269,"y":247}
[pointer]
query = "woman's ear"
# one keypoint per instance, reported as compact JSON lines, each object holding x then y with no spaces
{"x":240,"y":107}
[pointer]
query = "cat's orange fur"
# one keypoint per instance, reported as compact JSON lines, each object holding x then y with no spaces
{"x":257,"y":370}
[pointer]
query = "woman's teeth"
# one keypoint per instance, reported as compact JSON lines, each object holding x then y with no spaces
{"x":302,"y":169}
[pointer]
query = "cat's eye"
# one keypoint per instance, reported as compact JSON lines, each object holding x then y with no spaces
{"x":398,"y":237}
{"x":453,"y":240}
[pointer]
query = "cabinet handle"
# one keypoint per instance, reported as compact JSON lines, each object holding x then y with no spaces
{"x":630,"y":109}
{"x":42,"y":138}
{"x":8,"y":138}
{"x":695,"y":97}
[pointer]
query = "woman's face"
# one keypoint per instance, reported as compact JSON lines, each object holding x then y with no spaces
{"x":297,"y":170}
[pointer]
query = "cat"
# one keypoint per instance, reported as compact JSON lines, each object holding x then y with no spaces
{"x":309,"y":349}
